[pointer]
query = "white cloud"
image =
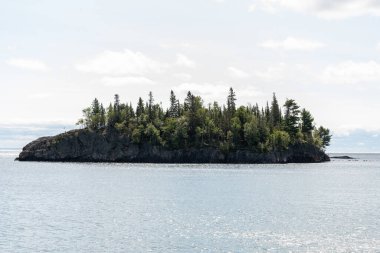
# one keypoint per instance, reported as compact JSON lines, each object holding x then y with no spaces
{"x":326,"y":9}
{"x":252,"y":8}
{"x":237,"y":73}
{"x":291,"y":43}
{"x":121,"y":63}
{"x":182,"y":76}
{"x":351,"y":72}
{"x":378,"y":46}
{"x":125,"y":81}
{"x":183,"y":60}
{"x":282,"y":72}
{"x":182,"y":45}
{"x":203,"y":89}
{"x":215,"y":91}
{"x":30,"y":64}
{"x":39,"y":95}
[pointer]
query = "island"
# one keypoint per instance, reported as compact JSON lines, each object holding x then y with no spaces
{"x":187,"y":132}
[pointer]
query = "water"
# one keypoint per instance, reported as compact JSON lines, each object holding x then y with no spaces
{"x":68,"y":207}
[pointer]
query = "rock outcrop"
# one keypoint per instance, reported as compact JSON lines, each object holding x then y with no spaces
{"x":111,"y":146}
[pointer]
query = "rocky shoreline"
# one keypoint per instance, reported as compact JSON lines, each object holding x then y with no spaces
{"x":111,"y":146}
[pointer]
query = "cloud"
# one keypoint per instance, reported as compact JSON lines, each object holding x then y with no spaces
{"x":42,"y":95}
{"x":283,"y":72}
{"x":121,"y":63}
{"x":125,"y":81}
{"x":182,"y":76}
{"x":350,"y":72}
{"x":378,"y":46}
{"x":291,"y":43}
{"x":30,"y":64}
{"x":215,"y":91}
{"x":237,"y":73}
{"x":183,"y":60}
{"x":182,"y":45}
{"x":252,"y":8}
{"x":326,"y":9}
{"x":203,"y":89}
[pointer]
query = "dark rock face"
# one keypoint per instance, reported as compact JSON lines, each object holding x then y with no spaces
{"x":111,"y":146}
{"x":344,"y":157}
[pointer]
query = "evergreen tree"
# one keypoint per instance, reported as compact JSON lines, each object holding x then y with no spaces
{"x":307,"y":122}
{"x":102,"y":116}
{"x":110,"y":116}
{"x":140,"y":108}
{"x":275,"y":113}
{"x":150,"y":106}
{"x":291,"y":119}
{"x":231,"y":106}
{"x":325,"y":136}
{"x":174,"y":106}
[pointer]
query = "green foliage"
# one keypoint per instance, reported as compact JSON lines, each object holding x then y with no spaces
{"x":275,"y":113}
{"x":152,"y":134}
{"x":191,"y":124}
{"x":251,"y":133}
{"x":324,"y":135}
{"x":291,"y":120}
{"x":279,"y":140}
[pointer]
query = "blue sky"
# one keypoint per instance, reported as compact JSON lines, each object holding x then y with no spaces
{"x":56,"y":56}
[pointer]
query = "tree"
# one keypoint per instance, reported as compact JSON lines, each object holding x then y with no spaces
{"x":275,"y":113}
{"x":150,"y":107}
{"x":251,"y":133}
{"x":279,"y":140}
{"x":231,"y":107}
{"x":140,"y":108}
{"x":102,"y":117}
{"x":111,"y":116}
{"x":174,"y":106}
{"x":324,"y":134}
{"x":152,"y":134}
{"x":307,"y":123}
{"x":291,"y":119}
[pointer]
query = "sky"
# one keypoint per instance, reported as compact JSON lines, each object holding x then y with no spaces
{"x":57,"y":56}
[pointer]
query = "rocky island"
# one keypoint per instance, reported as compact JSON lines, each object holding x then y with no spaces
{"x":187,"y":132}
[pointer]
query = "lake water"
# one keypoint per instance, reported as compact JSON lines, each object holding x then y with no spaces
{"x":69,"y":207}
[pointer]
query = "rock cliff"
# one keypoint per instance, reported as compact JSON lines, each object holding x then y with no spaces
{"x":111,"y":146}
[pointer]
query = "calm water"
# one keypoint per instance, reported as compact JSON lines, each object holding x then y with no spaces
{"x":68,"y":207}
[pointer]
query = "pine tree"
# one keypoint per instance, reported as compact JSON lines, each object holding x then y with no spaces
{"x":116,"y":103}
{"x":102,"y":116}
{"x":307,"y":122}
{"x":189,"y":101}
{"x":231,"y":106}
{"x":173,"y":109}
{"x":95,"y":107}
{"x":275,"y":113}
{"x":140,"y":108}
{"x":291,"y":120}
{"x":325,"y":136}
{"x":110,"y":116}
{"x":150,"y":106}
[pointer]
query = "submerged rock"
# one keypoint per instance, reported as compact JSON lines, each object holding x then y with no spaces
{"x":111,"y":146}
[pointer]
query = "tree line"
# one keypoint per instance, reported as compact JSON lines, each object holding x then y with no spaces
{"x":192,"y":124}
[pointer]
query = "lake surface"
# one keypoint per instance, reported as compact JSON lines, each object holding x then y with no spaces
{"x":69,"y":207}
